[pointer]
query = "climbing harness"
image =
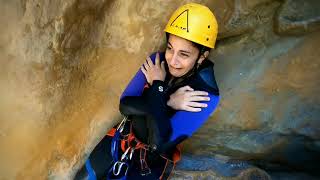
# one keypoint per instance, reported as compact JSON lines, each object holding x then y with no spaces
{"x":120,"y":166}
{"x":130,"y":144}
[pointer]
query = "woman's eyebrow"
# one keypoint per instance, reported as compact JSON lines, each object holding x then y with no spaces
{"x":183,"y":51}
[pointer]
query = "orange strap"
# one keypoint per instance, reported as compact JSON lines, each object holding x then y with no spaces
{"x":144,"y":167}
{"x":177,"y":154}
{"x":170,"y":164}
{"x":111,"y":132}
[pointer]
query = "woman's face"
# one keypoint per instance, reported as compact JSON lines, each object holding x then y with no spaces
{"x":181,"y":55}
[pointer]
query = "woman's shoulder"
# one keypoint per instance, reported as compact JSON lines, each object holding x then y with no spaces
{"x":205,"y":78}
{"x":154,"y":54}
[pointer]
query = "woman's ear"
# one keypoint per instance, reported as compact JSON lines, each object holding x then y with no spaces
{"x":203,"y":57}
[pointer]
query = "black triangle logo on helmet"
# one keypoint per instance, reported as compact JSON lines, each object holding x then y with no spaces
{"x":182,"y":21}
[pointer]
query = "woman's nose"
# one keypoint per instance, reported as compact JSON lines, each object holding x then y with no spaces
{"x":174,"y":61}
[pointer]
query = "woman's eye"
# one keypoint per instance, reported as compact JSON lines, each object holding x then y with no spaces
{"x":169,"y":48}
{"x":184,"y":55}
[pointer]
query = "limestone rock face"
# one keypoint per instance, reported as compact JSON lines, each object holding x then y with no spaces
{"x":65,"y":63}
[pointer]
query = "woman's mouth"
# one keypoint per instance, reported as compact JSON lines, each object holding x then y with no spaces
{"x":173,"y":68}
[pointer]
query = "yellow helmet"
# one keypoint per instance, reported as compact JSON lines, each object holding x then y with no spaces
{"x":195,"y":23}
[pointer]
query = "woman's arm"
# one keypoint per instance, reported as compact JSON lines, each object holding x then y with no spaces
{"x":150,"y":102}
{"x":188,"y":99}
{"x":185,"y":123}
{"x":135,"y":86}
{"x":131,"y":101}
{"x":180,"y":126}
{"x":139,"y":81}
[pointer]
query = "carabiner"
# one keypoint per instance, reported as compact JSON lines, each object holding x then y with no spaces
{"x":122,"y":124}
{"x":131,"y":153}
{"x":125,"y":154}
{"x":116,"y":169}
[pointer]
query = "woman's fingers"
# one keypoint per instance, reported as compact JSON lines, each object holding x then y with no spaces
{"x":146,"y":66}
{"x":197,"y":104}
{"x":199,"y":98}
{"x":186,"y":88}
{"x":157,"y":60}
{"x":163,"y":68}
{"x":198,"y":93}
{"x":187,"y":99}
{"x":149,"y":62}
{"x":143,"y":70}
{"x":153,"y":71}
{"x":192,"y":109}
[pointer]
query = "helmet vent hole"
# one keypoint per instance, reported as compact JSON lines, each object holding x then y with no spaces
{"x":207,"y":39}
{"x":208,"y":26}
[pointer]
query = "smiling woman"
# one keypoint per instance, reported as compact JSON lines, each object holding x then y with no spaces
{"x":169,"y":98}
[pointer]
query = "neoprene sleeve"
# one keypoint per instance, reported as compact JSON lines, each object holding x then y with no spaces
{"x":186,"y":123}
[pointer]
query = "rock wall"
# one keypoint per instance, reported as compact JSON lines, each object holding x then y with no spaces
{"x":64,"y":65}
{"x":269,"y":83}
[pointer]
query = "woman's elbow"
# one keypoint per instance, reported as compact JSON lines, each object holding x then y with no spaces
{"x":123,"y":108}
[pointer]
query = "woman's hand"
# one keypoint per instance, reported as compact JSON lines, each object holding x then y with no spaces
{"x":155,"y":71}
{"x":185,"y":98}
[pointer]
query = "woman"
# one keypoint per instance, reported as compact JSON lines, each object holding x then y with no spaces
{"x":171,"y":96}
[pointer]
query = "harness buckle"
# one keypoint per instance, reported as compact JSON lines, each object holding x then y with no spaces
{"x":144,"y":169}
{"x":145,"y":172}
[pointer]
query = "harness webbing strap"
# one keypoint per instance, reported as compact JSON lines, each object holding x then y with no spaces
{"x":144,"y":168}
{"x":111,"y":132}
{"x":91,"y":173}
{"x":130,"y":141}
{"x":168,"y":168}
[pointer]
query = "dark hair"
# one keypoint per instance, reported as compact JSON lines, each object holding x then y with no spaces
{"x":202,"y":48}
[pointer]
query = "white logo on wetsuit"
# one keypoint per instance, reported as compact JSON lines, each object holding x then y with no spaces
{"x":160,"y":88}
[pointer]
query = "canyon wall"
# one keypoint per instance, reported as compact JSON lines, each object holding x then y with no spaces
{"x":64,"y":65}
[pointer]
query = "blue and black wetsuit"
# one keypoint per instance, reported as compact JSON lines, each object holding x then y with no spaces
{"x":153,"y":122}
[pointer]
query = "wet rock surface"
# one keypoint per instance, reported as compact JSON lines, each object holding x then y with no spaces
{"x":216,"y":167}
{"x":298,"y":18}
{"x":64,"y":65}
